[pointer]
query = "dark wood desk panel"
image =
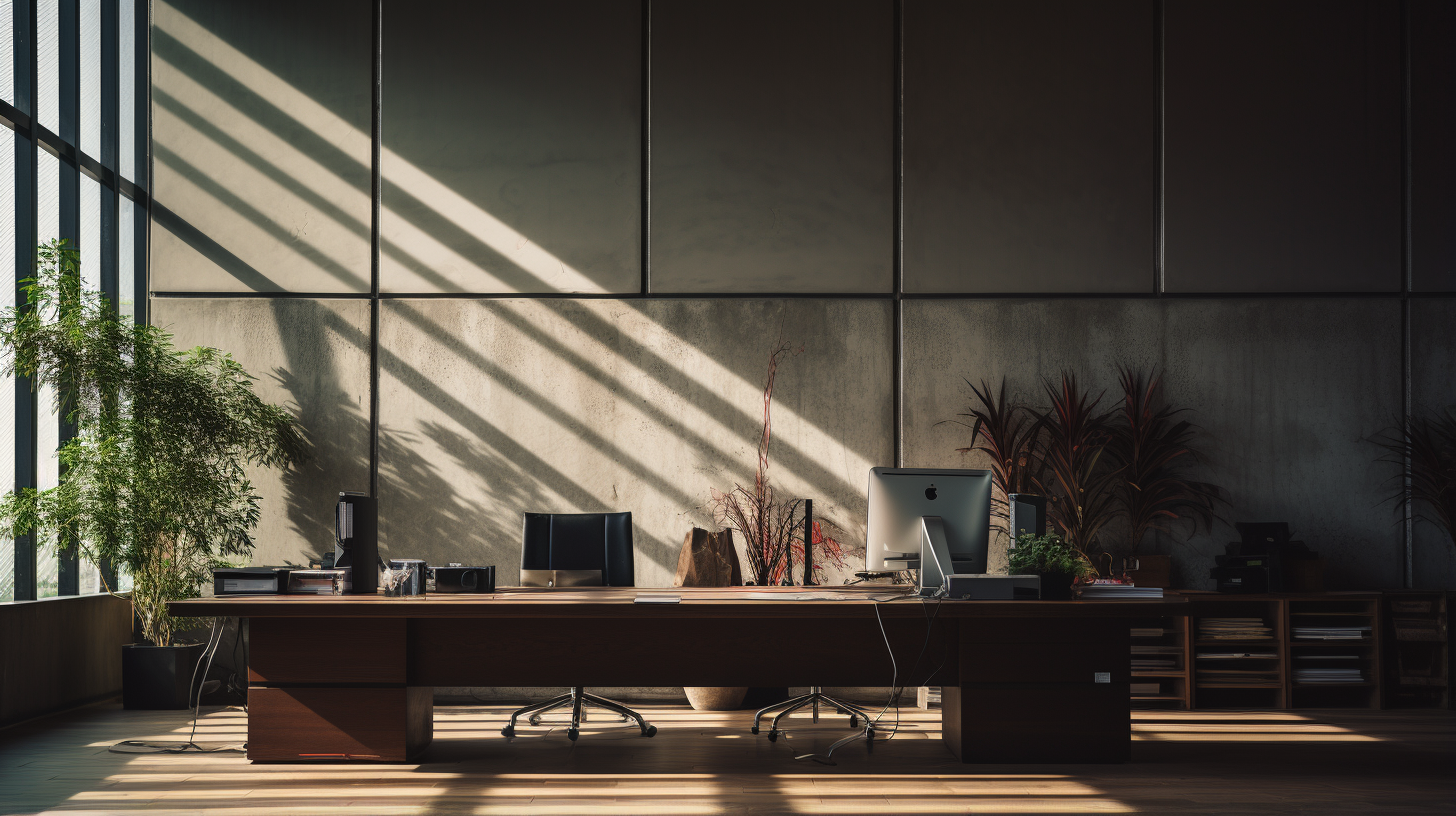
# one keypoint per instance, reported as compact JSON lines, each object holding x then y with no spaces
{"x":1024,"y":681}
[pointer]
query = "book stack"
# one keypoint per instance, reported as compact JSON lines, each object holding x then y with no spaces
{"x":1119,"y":592}
{"x":1331,"y":632}
{"x":1155,"y":658}
{"x":1234,"y":629}
{"x":1236,"y":655}
{"x":1213,"y":678}
{"x":1328,"y":677}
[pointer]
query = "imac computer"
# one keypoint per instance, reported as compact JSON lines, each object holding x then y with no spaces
{"x":939,"y":523}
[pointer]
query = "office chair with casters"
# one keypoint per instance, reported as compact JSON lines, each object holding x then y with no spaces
{"x":577,"y":549}
{"x":814,"y":698}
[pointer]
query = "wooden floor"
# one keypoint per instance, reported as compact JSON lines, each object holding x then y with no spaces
{"x":1199,"y":762}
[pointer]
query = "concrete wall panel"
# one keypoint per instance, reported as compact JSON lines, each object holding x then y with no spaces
{"x":513,"y":145}
{"x":311,"y":356}
{"x":495,"y":407}
{"x":1433,"y":131}
{"x":1030,"y":146}
{"x":260,"y":123}
{"x":1288,"y":393}
{"x":772,"y":146}
{"x":1433,"y":387}
{"x":1283,"y":146}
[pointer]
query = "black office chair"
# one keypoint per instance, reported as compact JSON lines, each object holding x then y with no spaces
{"x":565,"y":549}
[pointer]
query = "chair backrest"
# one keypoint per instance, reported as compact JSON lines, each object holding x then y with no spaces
{"x":580,"y":541}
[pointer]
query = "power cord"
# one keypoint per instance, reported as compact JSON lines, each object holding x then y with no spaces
{"x":896,"y":690}
{"x":190,"y":746}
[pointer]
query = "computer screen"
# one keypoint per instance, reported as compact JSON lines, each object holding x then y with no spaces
{"x":898,"y":498}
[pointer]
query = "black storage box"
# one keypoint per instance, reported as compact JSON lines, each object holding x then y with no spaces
{"x":457,"y":579}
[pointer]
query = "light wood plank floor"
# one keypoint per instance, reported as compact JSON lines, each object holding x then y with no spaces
{"x":1186,"y":762}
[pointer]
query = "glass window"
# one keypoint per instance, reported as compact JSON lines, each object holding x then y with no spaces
{"x":126,"y":76}
{"x":48,"y":424}
{"x":7,"y":56}
{"x":90,"y":239}
{"x":90,"y":25}
{"x":7,"y":300}
{"x":48,"y":63}
{"x":126,"y":258}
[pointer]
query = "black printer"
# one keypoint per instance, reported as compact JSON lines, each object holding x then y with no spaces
{"x":1256,"y":563}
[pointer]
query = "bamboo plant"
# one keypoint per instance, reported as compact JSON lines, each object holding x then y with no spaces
{"x":155,"y":480}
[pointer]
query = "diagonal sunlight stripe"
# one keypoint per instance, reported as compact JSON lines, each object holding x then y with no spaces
{"x":515,"y":247}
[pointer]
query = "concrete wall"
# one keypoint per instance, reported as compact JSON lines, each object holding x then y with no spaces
{"x":594,"y":225}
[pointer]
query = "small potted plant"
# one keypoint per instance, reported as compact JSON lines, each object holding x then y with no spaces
{"x":155,"y":480}
{"x":1053,"y":559}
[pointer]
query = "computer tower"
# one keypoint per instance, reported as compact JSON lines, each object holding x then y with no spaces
{"x":356,"y":541}
{"x":1028,"y":514}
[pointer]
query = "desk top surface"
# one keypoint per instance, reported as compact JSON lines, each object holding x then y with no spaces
{"x":730,"y":602}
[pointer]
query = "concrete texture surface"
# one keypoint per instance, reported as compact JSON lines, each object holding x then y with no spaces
{"x":1288,"y":393}
{"x":260,"y":125}
{"x":494,"y":407}
{"x":1433,"y":387}
{"x":1030,"y":146}
{"x":772,"y":146}
{"x":1282,"y":158}
{"x":530,"y":180}
{"x":311,"y":356}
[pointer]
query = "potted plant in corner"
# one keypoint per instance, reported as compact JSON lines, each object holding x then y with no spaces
{"x":1154,"y":449}
{"x":155,"y":480}
{"x":1051,"y":557}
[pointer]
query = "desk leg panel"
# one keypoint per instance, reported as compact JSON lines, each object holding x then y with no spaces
{"x":1053,"y":722}
{"x":314,"y":723}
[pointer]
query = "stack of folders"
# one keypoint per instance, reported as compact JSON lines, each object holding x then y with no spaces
{"x":1145,"y":689}
{"x":1331,"y":632}
{"x":1328,"y":677}
{"x":1234,"y":629}
{"x":1153,"y":658}
{"x":1236,"y":655}
{"x":1119,"y":592}
{"x":1154,"y":631}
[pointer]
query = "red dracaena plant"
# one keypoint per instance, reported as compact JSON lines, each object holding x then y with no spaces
{"x":1428,"y":443}
{"x":1007,"y":433}
{"x":1152,"y":449}
{"x":1077,"y":479}
{"x":767,"y":525}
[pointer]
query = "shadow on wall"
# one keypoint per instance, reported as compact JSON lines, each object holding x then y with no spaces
{"x":566,"y":407}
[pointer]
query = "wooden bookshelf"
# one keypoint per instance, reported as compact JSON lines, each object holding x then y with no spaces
{"x":1416,"y":652}
{"x":1175,"y":688}
{"x":1310,"y":653}
{"x":1214,"y":692}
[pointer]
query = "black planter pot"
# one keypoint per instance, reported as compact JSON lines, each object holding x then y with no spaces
{"x":157,"y":677}
{"x":1057,"y":586}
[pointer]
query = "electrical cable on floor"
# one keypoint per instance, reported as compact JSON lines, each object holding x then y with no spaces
{"x":190,"y":746}
{"x":896,"y":690}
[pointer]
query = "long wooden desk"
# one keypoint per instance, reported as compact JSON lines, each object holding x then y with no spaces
{"x":353,"y":676}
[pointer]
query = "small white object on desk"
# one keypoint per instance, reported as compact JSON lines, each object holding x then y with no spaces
{"x":657,"y":598}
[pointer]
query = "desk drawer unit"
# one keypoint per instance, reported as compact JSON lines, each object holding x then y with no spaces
{"x":1041,"y":690}
{"x":333,"y":689}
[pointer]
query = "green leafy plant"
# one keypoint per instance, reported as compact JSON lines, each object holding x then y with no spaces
{"x":1428,"y":442}
{"x":1048,"y":554}
{"x":1152,"y":449}
{"x":155,"y":480}
{"x":1077,"y":480}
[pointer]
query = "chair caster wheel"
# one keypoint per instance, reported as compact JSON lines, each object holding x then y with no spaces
{"x":534,"y":720}
{"x":869,"y":734}
{"x":572,"y":734}
{"x":649,"y":731}
{"x":508,"y":732}
{"x":853,"y":721}
{"x":753,"y":730}
{"x":773,"y":736}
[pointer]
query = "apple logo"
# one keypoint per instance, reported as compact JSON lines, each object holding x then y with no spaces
{"x":930,"y":492}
